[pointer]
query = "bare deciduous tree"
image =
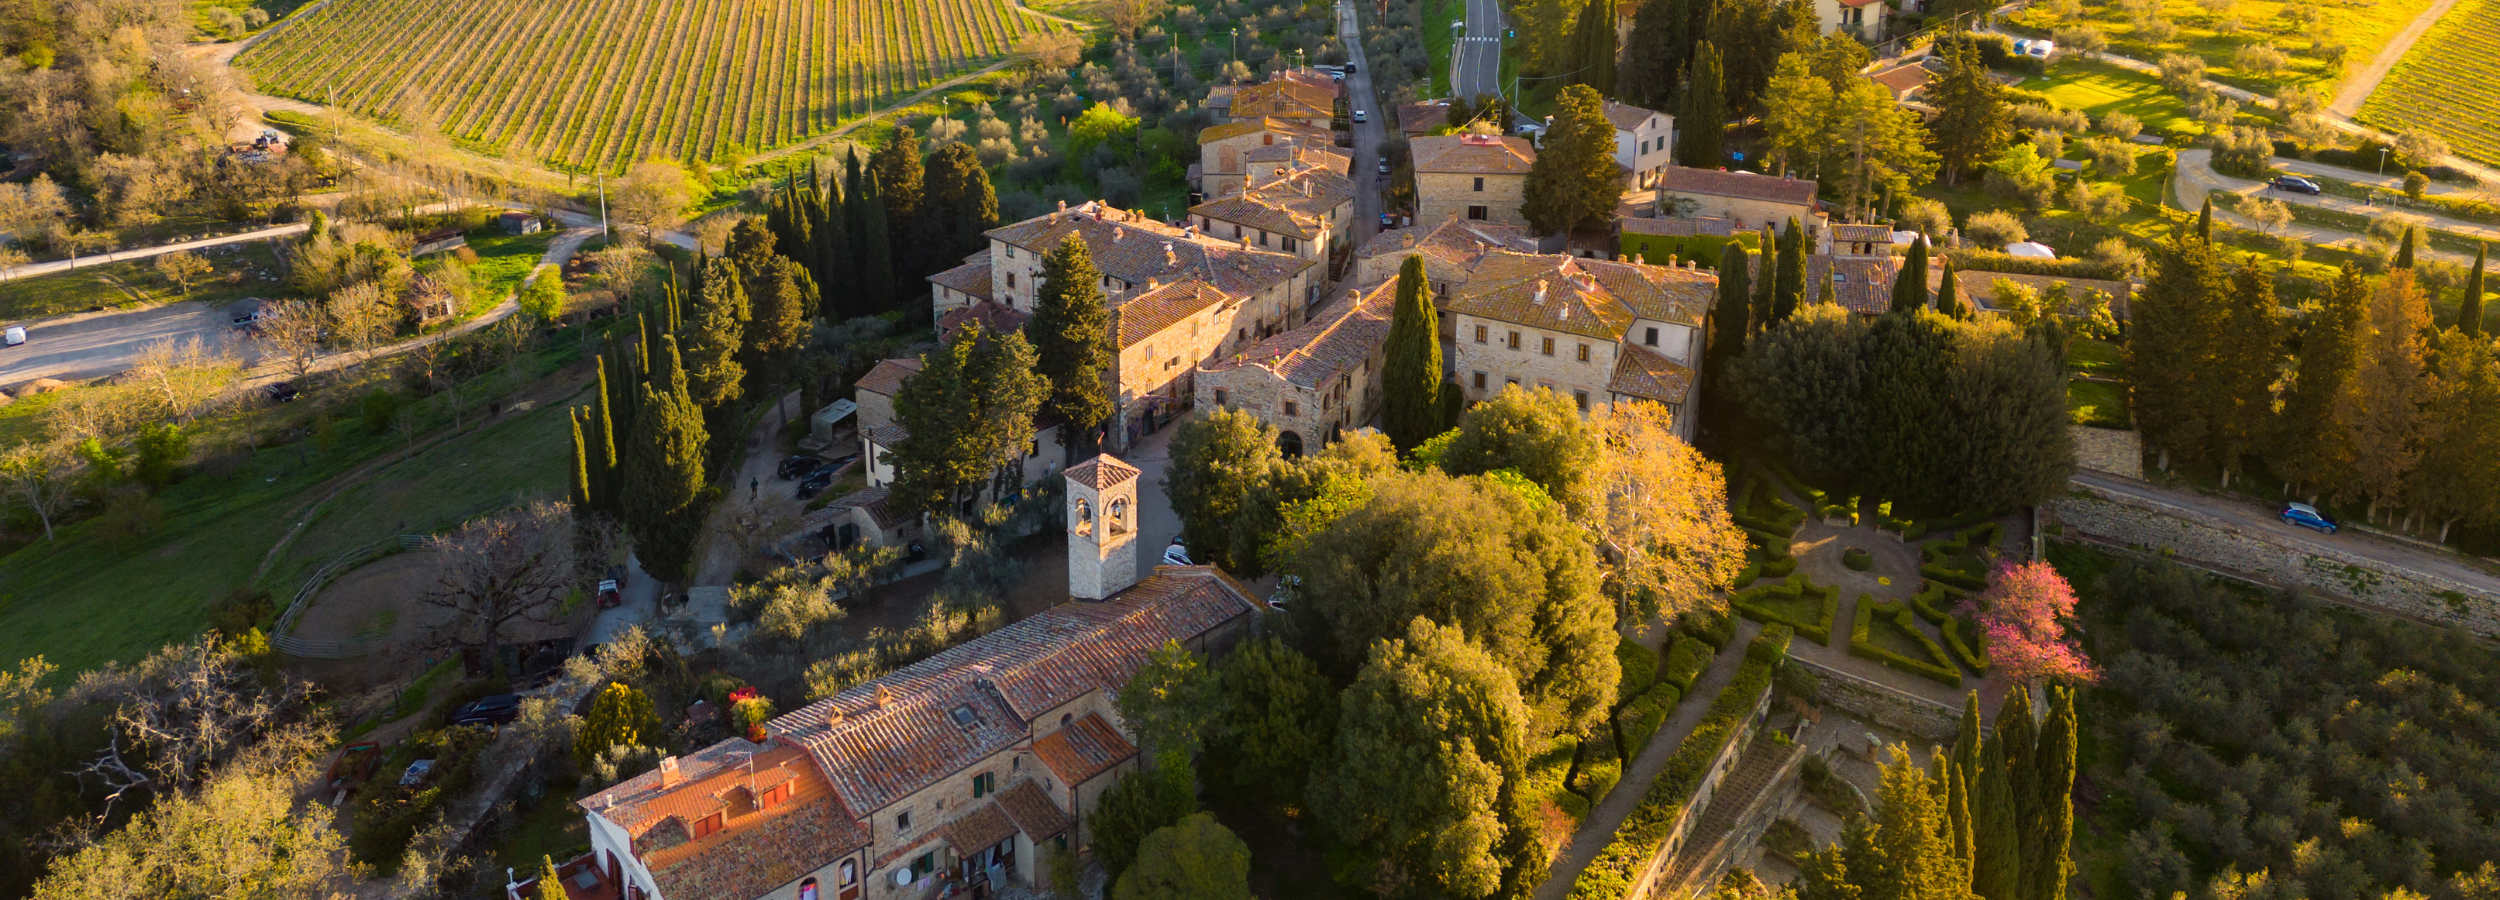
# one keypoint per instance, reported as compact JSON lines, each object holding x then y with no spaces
{"x":181,"y":378}
{"x":236,"y":835}
{"x":510,"y":567}
{"x":39,"y":475}
{"x":361,"y":315}
{"x":182,"y":267}
{"x":292,"y":329}
{"x":183,"y":711}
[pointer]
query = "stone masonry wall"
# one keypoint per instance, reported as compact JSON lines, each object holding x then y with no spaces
{"x":2192,"y":536}
{"x":1442,"y":196}
{"x":1876,"y":704}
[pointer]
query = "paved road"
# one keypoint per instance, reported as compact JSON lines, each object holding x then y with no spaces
{"x":1476,"y":59}
{"x":91,"y":345}
{"x":2358,"y":86}
{"x":2252,"y":517}
{"x":2197,"y":178}
{"x":1367,"y":135}
{"x":102,"y":259}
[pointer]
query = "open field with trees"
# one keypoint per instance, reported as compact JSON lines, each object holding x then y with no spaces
{"x":2308,"y":45}
{"x":600,"y":84}
{"x":2444,"y":84}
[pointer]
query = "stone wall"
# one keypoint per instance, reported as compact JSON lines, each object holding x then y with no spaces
{"x":1664,"y":856}
{"x":1441,"y":195}
{"x":1876,"y":704}
{"x":1530,"y":365}
{"x":2108,"y":450}
{"x":2189,"y":535}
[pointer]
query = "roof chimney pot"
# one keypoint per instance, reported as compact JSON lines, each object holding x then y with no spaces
{"x":670,"y":775}
{"x":1540,"y":291}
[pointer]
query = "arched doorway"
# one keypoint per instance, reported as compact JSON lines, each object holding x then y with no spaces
{"x":1289,"y":445}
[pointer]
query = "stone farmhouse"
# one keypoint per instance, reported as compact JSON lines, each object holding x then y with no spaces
{"x":1450,"y":249}
{"x":956,"y":773}
{"x":1225,"y":151}
{"x":1315,"y":382}
{"x":1598,"y":331}
{"x":1477,"y":177}
{"x":879,"y":434}
{"x":1300,"y":95}
{"x":1747,"y":200}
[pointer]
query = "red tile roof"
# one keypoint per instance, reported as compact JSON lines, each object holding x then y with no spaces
{"x":885,"y":739}
{"x":1903,"y":81}
{"x":1102,"y":472}
{"x":1287,"y":128}
{"x":756,"y":849}
{"x":1592,"y":297}
{"x":1864,"y":284}
{"x":993,"y":317}
{"x":1086,"y":748}
{"x":1744,"y":185}
{"x":1139,"y":315}
{"x":1298,"y":203}
{"x":1026,"y":803}
{"x":1336,"y":339}
{"x":1136,"y":249}
{"x":1417,"y":118}
{"x":1863,"y":234}
{"x":888,"y":375}
{"x":877,"y":502}
{"x":1285,"y":98}
{"x":970,"y":278}
{"x":1649,"y":376}
{"x":1627,"y":117}
{"x":1473,"y":154}
{"x":982,"y":826}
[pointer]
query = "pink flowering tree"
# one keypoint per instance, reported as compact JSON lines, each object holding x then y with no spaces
{"x":2022,"y":615}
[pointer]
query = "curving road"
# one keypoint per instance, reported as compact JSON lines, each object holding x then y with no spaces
{"x":2249,"y":516}
{"x":1476,"y":57}
{"x":2197,"y":178}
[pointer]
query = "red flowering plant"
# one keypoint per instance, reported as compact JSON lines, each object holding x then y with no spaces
{"x":2023,"y":615}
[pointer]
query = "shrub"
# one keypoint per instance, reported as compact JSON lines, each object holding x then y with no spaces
{"x":1685,"y":660}
{"x":1897,"y":615}
{"x":1780,"y":604}
{"x":1611,"y":873}
{"x":240,"y":610}
{"x":387,"y":814}
{"x":1713,"y":628}
{"x":1640,"y":668}
{"x":1857,"y":559}
{"x":1640,"y":719}
{"x":1773,"y":546}
{"x":1925,"y":216}
{"x":2121,"y":126}
{"x":1993,"y":229}
{"x":1761,"y":509}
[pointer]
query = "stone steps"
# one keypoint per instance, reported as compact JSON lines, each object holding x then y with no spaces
{"x":1752,"y":776}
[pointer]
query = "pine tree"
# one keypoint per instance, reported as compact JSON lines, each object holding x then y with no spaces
{"x":1996,"y":834}
{"x":900,"y":181}
{"x":958,"y":205}
{"x":664,"y":472}
{"x":2045,"y":874}
{"x":1593,"y":47}
{"x":1766,"y":279}
{"x":2310,"y":451}
{"x":1970,"y":123}
{"x":1410,"y":386}
{"x":1071,"y":333}
{"x":2404,"y":251}
{"x":1949,"y":295}
{"x":2470,"y":304}
{"x":1792,"y":272}
{"x":2383,"y":410}
{"x":1573,"y":184}
{"x":580,"y":482}
{"x":1701,"y":126}
{"x":1909,"y":288}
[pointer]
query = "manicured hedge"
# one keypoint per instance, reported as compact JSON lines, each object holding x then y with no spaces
{"x":1685,"y":660}
{"x":1713,"y":628}
{"x":1773,"y":546}
{"x":1610,"y":875}
{"x":1975,"y":260}
{"x":1760,"y":508}
{"x":1640,"y":668}
{"x":1857,"y":559}
{"x":1970,"y":648}
{"x":1825,"y":505}
{"x":1934,"y":602}
{"x":1639,"y":720}
{"x":1756,"y":604}
{"x":1935,"y":555}
{"x":1862,"y":643}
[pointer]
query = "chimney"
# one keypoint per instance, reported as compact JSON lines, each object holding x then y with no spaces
{"x":884,"y":696}
{"x":670,"y":775}
{"x":1152,"y":283}
{"x":1063,"y":206}
{"x":1406,"y":240}
{"x":1540,"y":291}
{"x":1170,"y":256}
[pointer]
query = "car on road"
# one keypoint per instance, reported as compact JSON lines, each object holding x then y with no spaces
{"x":2295,"y":184}
{"x":16,"y":335}
{"x":2307,"y":516}
{"x":610,"y":597}
{"x":1384,"y":167}
{"x":1176,"y":555}
{"x":1361,"y":116}
{"x":498,"y":709}
{"x":815,"y":484}
{"x":1349,"y":68}
{"x":796,"y":466}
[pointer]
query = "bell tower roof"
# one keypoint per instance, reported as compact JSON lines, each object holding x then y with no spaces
{"x":1102,"y":472}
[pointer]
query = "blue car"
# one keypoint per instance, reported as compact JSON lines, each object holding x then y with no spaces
{"x":2307,"y":516}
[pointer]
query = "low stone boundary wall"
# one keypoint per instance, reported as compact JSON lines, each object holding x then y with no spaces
{"x":1877,"y":704}
{"x":2190,"y":535}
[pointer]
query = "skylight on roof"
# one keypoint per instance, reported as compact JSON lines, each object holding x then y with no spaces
{"x":964,"y":716}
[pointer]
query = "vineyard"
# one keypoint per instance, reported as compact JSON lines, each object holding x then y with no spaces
{"x":2448,"y":84}
{"x":600,"y":84}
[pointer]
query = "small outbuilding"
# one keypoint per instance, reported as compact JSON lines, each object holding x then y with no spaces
{"x":439,"y":240}
{"x":520,"y":223}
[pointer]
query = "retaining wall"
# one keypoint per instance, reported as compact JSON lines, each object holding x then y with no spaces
{"x":2190,"y":535}
{"x":1876,"y":704}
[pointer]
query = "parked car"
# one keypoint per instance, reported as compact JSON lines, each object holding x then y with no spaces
{"x":16,"y":335}
{"x":283,"y":392}
{"x":1361,"y":116}
{"x":1349,"y":68}
{"x":2307,"y":516}
{"x":1176,"y":555}
{"x":2295,"y":184}
{"x":499,"y":709}
{"x":610,"y":597}
{"x":1384,"y":167}
{"x":815,"y":484}
{"x":417,"y":773}
{"x":2041,"y":49}
{"x":797,"y":466}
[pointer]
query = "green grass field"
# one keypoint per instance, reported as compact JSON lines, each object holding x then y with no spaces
{"x":1438,"y":14}
{"x":503,"y":262}
{"x":2096,"y":403}
{"x":2362,"y":28}
{"x":2444,"y":84}
{"x":2097,"y":358}
{"x":2098,"y":88}
{"x":236,"y":275}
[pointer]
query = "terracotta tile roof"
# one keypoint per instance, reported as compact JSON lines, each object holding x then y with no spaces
{"x":1136,"y":249}
{"x":1673,"y":226}
{"x":1473,"y":154}
{"x":1298,"y":203}
{"x":882,"y":740}
{"x":1627,"y":117}
{"x":982,"y":826}
{"x":1903,"y":81}
{"x":1301,"y":154}
{"x":1086,"y":748}
{"x":1101,"y":472}
{"x":993,"y":318}
{"x":1336,"y":339}
{"x":1285,"y":98}
{"x":888,"y":375}
{"x":1745,"y":185}
{"x":1141,"y":314}
{"x":1865,"y":284}
{"x":1032,"y":810}
{"x":1869,"y":234}
{"x":888,"y":435}
{"x":876,"y":502}
{"x":1417,"y":118}
{"x":1649,"y":376}
{"x":1285,"y":128}
{"x":1590,"y":297}
{"x":755,"y":850}
{"x":970,"y":278}
{"x":1455,"y":241}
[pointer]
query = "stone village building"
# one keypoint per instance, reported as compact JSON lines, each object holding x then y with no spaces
{"x":1477,"y":177}
{"x":1308,"y":212}
{"x":1225,"y":151}
{"x":1597,"y":331}
{"x":963,"y":768}
{"x":1313,"y":383}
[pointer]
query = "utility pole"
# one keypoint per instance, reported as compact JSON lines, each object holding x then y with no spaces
{"x":603,"y":205}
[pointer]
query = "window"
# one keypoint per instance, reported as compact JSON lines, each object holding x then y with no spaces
{"x":964,"y":716}
{"x":1514,"y":340}
{"x":1546,"y":346}
{"x":984,"y":785}
{"x":1479,"y":383}
{"x":807,"y":889}
{"x":1512,"y":381}
{"x":1011,"y":251}
{"x":1220,"y":398}
{"x":1581,"y":398}
{"x":1477,"y":213}
{"x":1065,"y":718}
{"x":772,"y":798}
{"x":848,"y":875}
{"x":1479,"y":183}
{"x":1584,"y":353}
{"x":1480,"y":331}
{"x":1236,"y":231}
{"x":925,"y":864}
{"x":1011,"y":279}
{"x":1262,"y":239}
{"x":1650,"y":337}
{"x":704,"y":827}
{"x":1292,"y":408}
{"x":902,"y":820}
{"x":1289,"y":244}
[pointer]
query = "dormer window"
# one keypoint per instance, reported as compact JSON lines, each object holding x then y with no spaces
{"x":1650,"y":337}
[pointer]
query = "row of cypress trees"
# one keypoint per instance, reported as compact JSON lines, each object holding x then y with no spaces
{"x":884,"y":223}
{"x":639,"y":448}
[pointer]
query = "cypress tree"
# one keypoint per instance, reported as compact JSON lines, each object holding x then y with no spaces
{"x":664,"y":472}
{"x":581,"y":466}
{"x":1410,"y":387}
{"x":1949,"y":295}
{"x":2205,"y":221}
{"x":1957,"y":811}
{"x":712,"y":366}
{"x":2312,"y":448}
{"x":1593,"y":47}
{"x":1792,"y":272}
{"x":1071,"y":335}
{"x":872,"y":254}
{"x":1701,"y":133}
{"x":901,"y":183}
{"x":1968,"y":743}
{"x":2172,"y":335}
{"x":550,"y":884}
{"x":1996,"y":839}
{"x":2045,"y":873}
{"x":1766,"y":279}
{"x":2405,"y":251}
{"x":1909,"y":288}
{"x":1909,"y":423}
{"x":603,"y":480}
{"x":831,"y":260}
{"x":2470,"y":306}
{"x":1828,"y":294}
{"x":1730,"y":321}
{"x":2018,"y":733}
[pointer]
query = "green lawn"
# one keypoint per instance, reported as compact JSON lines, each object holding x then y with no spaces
{"x":2098,"y":88}
{"x":236,"y":276}
{"x":552,"y":828}
{"x":1438,"y":14}
{"x":2097,"y":403}
{"x":503,"y":262}
{"x":2097,"y":358}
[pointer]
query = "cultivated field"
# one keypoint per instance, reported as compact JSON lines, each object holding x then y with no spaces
{"x":603,"y":83}
{"x":2445,"y":83}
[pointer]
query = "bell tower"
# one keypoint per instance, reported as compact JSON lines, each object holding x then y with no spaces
{"x":1102,"y":527}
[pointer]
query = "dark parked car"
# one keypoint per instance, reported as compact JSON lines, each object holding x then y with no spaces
{"x":796,"y":466}
{"x":283,"y":392}
{"x":815,"y":484}
{"x":2295,"y":184}
{"x":499,"y":709}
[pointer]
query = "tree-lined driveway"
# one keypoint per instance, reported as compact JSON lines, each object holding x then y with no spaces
{"x":2252,"y":517}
